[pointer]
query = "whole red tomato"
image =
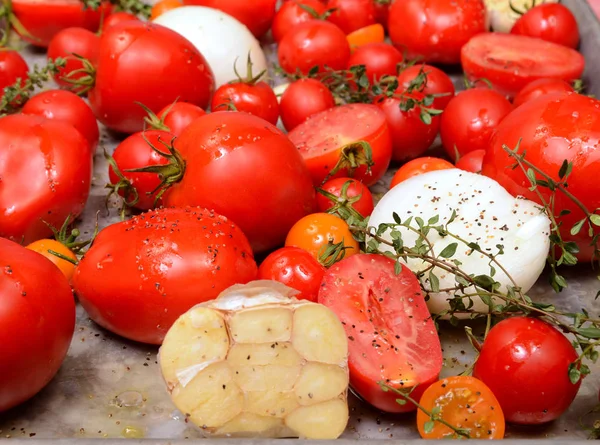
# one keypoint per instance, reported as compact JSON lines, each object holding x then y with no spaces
{"x":44,"y":19}
{"x":472,"y":161}
{"x":382,"y":10}
{"x":295,"y":268}
{"x":64,"y":106}
{"x":549,"y":21}
{"x":435,"y":30}
{"x":351,"y":15}
{"x":346,"y":192}
{"x":45,"y":175}
{"x":176,"y":117}
{"x":470,"y":119}
{"x":168,"y":260}
{"x":313,"y":44}
{"x":379,"y":59}
{"x":133,"y":153}
{"x":550,"y":130}
{"x":302,"y":99}
{"x":525,"y":362}
{"x":155,"y":67}
{"x":257,"y":15}
{"x":37,"y":315}
{"x":72,"y":41}
{"x":292,"y":13}
{"x":246,"y":169}
{"x":116,"y":18}
{"x":12,"y":67}
{"x":428,"y":79}
{"x":541,"y":87}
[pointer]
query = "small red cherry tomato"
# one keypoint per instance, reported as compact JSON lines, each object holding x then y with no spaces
{"x":552,"y":22}
{"x":292,"y":13}
{"x":176,"y":117}
{"x":428,"y":79}
{"x":12,"y":67}
{"x":472,"y":161}
{"x":351,"y":15}
{"x":302,"y":99}
{"x":355,"y":194}
{"x":541,"y":87}
{"x":116,"y":18}
{"x":379,"y":59}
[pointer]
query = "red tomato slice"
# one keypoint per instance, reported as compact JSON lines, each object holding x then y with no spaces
{"x":510,"y":62}
{"x":392,"y":337}
{"x":322,"y":137}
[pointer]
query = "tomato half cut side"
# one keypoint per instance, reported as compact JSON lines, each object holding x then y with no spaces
{"x":391,"y":335}
{"x":510,"y":62}
{"x":321,"y":138}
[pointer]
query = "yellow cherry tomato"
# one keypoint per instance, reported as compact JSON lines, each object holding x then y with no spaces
{"x":363,"y":36}
{"x":44,"y":246}
{"x":163,"y":6}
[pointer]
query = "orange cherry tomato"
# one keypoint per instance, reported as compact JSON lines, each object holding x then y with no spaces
{"x":464,"y":402}
{"x":43,"y":247}
{"x":163,"y":6}
{"x":363,"y":36}
{"x":418,"y":167}
{"x":313,"y":232}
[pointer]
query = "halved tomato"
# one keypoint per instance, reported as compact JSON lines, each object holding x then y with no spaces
{"x":335,"y":135}
{"x":510,"y":61}
{"x":392,"y":338}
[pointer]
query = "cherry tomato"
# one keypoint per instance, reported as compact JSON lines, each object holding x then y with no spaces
{"x":44,"y":246}
{"x":351,"y":15}
{"x":391,"y":335}
{"x":313,"y":43}
{"x":464,"y":402}
{"x":428,"y":80}
{"x":117,"y":18}
{"x":262,"y":182}
{"x":470,"y":119}
{"x":418,"y":167}
{"x":176,"y":117}
{"x":12,"y":67}
{"x":552,"y":22}
{"x":525,"y":362}
{"x":33,"y":190}
{"x":472,"y":161}
{"x":168,"y":260}
{"x":37,"y":316}
{"x":435,"y":30}
{"x":72,"y":41}
{"x":133,"y":153}
{"x":295,"y":268}
{"x":314,"y":232}
{"x":551,"y":129}
{"x":541,"y":87}
{"x":155,"y":59}
{"x":364,"y":36}
{"x":302,"y":99}
{"x":163,"y":6}
{"x":379,"y":59}
{"x":510,"y":62}
{"x":357,"y":195}
{"x":64,"y":106}
{"x":292,"y":13}
{"x":335,"y":135}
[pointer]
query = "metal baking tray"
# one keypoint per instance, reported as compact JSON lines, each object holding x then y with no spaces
{"x":111,"y":388}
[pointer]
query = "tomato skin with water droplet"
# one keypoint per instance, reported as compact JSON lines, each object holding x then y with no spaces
{"x":391,"y":335}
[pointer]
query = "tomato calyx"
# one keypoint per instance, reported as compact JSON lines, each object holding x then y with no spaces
{"x":353,"y":156}
{"x":343,"y":204}
{"x":85,"y":83}
{"x":69,"y":239}
{"x":332,"y":253}
{"x":470,"y":84}
{"x":314,"y":14}
{"x":250,"y":79}
{"x":123,"y":185}
{"x":520,"y":12}
{"x":153,"y":121}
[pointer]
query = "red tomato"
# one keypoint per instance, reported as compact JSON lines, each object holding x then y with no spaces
{"x":66,"y":107}
{"x":37,"y":316}
{"x":117,"y":18}
{"x":411,"y":137}
{"x":391,"y":334}
{"x":551,"y":129}
{"x":176,"y":117}
{"x":313,"y":43}
{"x":12,"y":67}
{"x":252,"y":97}
{"x":155,"y":59}
{"x":472,"y":161}
{"x":379,"y":59}
{"x":291,"y":13}
{"x":541,"y":87}
{"x":325,"y":137}
{"x":71,"y":41}
{"x":357,"y":195}
{"x":295,"y":268}
{"x":45,"y":175}
{"x":43,"y":19}
{"x":501,"y":59}
{"x":133,"y":153}
{"x":351,"y":15}
{"x":428,"y":80}
{"x":435,"y":30}
{"x":302,"y":99}
{"x":418,"y":167}
{"x":257,"y":15}
{"x":549,"y":21}
{"x":263,"y":184}
{"x":168,"y":260}
{"x":470,"y":119}
{"x":382,"y":10}
{"x":525,"y":362}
